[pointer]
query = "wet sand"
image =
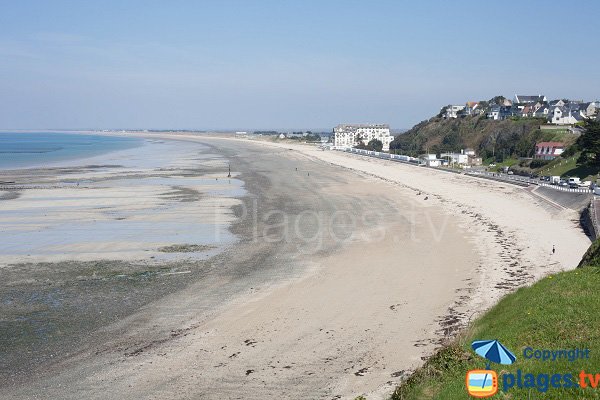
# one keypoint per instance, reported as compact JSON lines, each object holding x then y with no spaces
{"x":342,"y":280}
{"x":88,"y":242}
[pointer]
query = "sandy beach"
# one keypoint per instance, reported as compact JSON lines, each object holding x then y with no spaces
{"x":337,"y":276}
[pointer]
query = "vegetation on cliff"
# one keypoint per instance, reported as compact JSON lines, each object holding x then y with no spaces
{"x":491,"y":139}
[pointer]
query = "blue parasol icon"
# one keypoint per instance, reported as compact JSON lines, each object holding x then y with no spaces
{"x":494,"y":351}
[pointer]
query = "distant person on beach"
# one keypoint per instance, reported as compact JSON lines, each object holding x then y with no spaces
{"x":553,"y":249}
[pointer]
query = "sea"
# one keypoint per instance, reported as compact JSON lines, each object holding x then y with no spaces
{"x":38,"y":149}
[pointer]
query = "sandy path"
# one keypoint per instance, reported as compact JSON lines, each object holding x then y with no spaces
{"x":357,"y":317}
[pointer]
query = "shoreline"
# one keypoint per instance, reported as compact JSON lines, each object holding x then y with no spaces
{"x":86,"y":245}
{"x":71,"y":160}
{"x":314,"y":281}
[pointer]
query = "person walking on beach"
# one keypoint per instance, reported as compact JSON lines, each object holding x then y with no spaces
{"x":553,"y":249}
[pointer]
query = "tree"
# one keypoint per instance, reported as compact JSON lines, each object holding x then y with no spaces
{"x":313,"y":137}
{"x":589,"y":143}
{"x":359,"y":140}
{"x":375,"y":144}
{"x":498,"y":100}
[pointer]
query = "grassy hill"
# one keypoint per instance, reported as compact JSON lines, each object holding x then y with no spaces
{"x":568,"y":167}
{"x":561,"y":311}
{"x":490,"y":139}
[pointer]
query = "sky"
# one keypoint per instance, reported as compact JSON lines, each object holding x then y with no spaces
{"x":281,"y":64}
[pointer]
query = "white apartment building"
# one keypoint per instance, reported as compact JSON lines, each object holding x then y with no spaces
{"x":350,"y":135}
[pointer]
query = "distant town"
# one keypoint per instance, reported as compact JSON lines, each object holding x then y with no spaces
{"x":558,"y":112}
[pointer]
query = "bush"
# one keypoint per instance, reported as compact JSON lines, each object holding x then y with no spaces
{"x":538,"y":163}
{"x":375,"y":144}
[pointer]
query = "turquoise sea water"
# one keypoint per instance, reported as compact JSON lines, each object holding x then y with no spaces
{"x":28,"y":149}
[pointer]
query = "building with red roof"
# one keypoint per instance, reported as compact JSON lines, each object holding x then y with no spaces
{"x":548,"y":150}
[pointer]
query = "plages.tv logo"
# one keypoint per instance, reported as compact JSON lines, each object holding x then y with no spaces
{"x":483,"y":383}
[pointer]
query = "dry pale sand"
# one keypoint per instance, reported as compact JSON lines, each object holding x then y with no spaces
{"x":358,"y":318}
{"x":511,"y":224}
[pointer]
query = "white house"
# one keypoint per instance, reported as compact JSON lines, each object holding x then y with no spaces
{"x":520,"y":99}
{"x":558,"y":103}
{"x":589,"y":109}
{"x":451,"y":111}
{"x":564,"y":115}
{"x":494,"y":113}
{"x":430,"y":160}
{"x":350,"y":135}
{"x":456,"y":158}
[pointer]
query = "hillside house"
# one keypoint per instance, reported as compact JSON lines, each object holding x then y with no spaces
{"x":473,"y":108}
{"x":589,"y":109}
{"x":548,"y":150}
{"x":520,"y":99}
{"x":565,"y":115}
{"x":541,"y":112}
{"x":451,"y":111}
{"x":557,"y":103}
{"x":494,"y":113}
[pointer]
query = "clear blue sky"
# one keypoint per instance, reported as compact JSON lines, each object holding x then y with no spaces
{"x":283,"y":64}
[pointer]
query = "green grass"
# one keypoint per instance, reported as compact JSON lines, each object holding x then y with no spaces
{"x":569,"y":167}
{"x":559,"y":166}
{"x":506,"y":163}
{"x":558,"y":312}
{"x":559,"y":135}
